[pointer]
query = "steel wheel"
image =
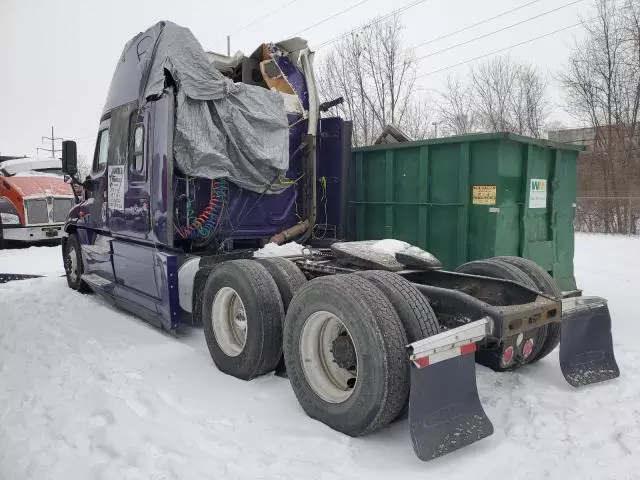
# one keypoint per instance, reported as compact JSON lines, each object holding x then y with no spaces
{"x":229,"y":321}
{"x":71,"y":264}
{"x":329,"y":357}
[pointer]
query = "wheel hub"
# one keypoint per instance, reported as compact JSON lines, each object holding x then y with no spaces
{"x":71,"y":264}
{"x":229,"y":321}
{"x":329,"y":357}
{"x":344,"y":353}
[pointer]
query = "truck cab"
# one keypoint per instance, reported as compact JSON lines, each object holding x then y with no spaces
{"x":34,"y":199}
{"x":146,"y":215}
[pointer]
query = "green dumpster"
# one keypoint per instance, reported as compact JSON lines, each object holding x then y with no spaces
{"x":470,"y":197}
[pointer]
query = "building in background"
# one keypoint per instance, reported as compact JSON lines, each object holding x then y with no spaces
{"x":608,"y":178}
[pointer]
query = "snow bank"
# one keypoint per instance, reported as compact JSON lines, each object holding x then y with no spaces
{"x":90,"y":392}
{"x":291,"y":249}
{"x":32,"y":261}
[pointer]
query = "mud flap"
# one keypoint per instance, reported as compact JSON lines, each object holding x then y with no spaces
{"x":586,"y":345}
{"x":445,"y":413}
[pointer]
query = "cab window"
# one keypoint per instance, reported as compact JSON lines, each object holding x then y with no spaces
{"x":137,"y":157}
{"x":102,"y":151}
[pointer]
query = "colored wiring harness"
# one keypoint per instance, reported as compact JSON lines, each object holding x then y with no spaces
{"x":206,"y":223}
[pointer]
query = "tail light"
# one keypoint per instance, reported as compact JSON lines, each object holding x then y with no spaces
{"x":507,"y":355}
{"x":527,"y":348}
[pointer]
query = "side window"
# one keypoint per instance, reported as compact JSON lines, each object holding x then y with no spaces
{"x":102,"y":152}
{"x":137,"y":151}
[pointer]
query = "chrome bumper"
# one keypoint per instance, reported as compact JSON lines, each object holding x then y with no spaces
{"x":34,"y":234}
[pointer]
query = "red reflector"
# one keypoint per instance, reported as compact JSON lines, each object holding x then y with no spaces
{"x":422,"y":362}
{"x":507,"y":356}
{"x":527,"y":348}
{"x":468,"y":348}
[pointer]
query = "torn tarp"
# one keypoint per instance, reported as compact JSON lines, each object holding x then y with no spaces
{"x":222,"y":129}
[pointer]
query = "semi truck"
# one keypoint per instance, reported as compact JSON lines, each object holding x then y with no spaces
{"x":202,"y":160}
{"x":34,"y":200}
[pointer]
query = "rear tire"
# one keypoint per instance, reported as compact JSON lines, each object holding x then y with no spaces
{"x":73,"y":266}
{"x":289,"y":279}
{"x":242,"y":319}
{"x":417,"y":316}
{"x":546,"y":284}
{"x":490,"y":357}
{"x":380,"y":386}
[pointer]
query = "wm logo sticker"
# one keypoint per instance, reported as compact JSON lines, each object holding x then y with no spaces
{"x":538,"y":193}
{"x":538,"y":185}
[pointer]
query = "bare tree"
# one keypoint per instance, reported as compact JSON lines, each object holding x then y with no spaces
{"x":456,"y":112}
{"x":84,"y":166}
{"x":529,"y":104}
{"x":499,"y":96}
{"x":494,"y":85}
{"x":602,"y":81}
{"x":417,"y":119}
{"x":375,"y":75}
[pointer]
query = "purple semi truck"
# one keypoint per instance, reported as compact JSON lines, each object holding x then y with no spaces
{"x":203,"y":159}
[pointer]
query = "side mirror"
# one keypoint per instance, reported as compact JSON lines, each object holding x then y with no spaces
{"x":69,"y":157}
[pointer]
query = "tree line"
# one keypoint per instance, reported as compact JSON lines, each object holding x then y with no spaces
{"x":377,"y":75}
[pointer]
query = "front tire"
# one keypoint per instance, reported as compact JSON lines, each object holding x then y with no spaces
{"x":344,"y":348}
{"x":73,"y":266}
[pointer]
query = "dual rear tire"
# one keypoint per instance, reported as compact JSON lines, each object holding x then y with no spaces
{"x":343,"y":336}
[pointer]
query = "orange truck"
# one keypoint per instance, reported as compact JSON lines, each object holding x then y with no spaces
{"x":34,"y":200}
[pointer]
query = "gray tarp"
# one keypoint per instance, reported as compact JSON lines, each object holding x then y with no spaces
{"x":222,"y":129}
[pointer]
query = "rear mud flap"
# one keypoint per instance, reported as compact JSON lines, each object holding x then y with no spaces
{"x":586,"y":345}
{"x":445,"y":413}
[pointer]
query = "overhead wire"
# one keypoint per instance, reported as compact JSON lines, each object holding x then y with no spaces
{"x":473,"y":25}
{"x":372,"y":22}
{"x":266,"y":15}
{"x":540,"y":37}
{"x":508,"y":27}
{"x":331,"y":17}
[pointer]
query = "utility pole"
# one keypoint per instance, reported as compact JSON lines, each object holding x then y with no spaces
{"x":53,"y":149}
{"x":435,"y":126}
{"x":228,"y":45}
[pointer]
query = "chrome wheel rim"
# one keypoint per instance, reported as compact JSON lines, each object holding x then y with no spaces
{"x":330,"y":381}
{"x":72,"y":264}
{"x":229,"y":321}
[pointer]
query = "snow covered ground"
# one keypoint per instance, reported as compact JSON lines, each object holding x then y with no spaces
{"x":89,"y":392}
{"x":32,"y":261}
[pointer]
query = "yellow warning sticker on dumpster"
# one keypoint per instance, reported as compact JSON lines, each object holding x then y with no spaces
{"x":484,"y":195}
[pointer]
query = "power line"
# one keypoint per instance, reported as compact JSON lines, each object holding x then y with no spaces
{"x":508,"y":27}
{"x":499,"y":51}
{"x":84,"y":136}
{"x":266,"y":15}
{"x":373,"y":22}
{"x":53,"y":148}
{"x":469,"y":27}
{"x":331,"y":17}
